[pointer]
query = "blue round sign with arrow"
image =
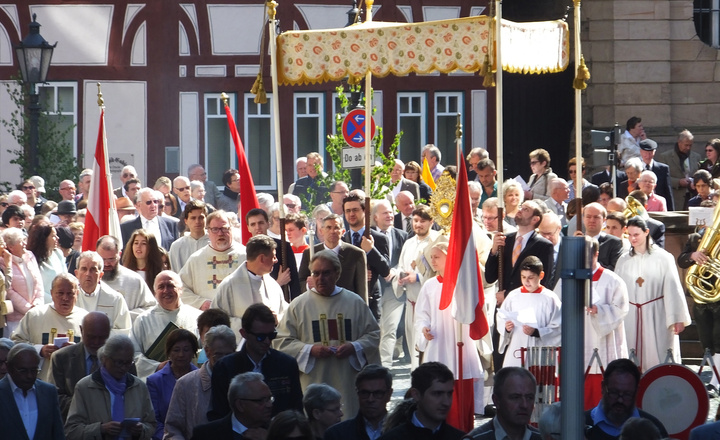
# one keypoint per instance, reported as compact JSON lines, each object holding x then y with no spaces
{"x":353,"y":128}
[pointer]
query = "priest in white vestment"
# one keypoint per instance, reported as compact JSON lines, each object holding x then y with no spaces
{"x":251,"y":283}
{"x":331,"y":332}
{"x":205,"y":269}
{"x":660,"y":311}
{"x":95,"y":295}
{"x":130,"y":285}
{"x":529,"y":316}
{"x":45,"y":326}
{"x":148,"y":326}
{"x":195,"y":238}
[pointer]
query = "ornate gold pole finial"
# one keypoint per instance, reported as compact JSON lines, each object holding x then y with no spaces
{"x":224,"y":96}
{"x":100,"y":101}
{"x":272,"y":9}
{"x":458,"y":127}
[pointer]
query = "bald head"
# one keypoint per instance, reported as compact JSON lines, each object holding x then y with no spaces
{"x":550,"y":227}
{"x":95,"y":330}
{"x":405,"y":202}
{"x":616,"y":205}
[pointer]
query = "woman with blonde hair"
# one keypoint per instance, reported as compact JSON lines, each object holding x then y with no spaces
{"x":144,"y":256}
{"x":513,"y":197}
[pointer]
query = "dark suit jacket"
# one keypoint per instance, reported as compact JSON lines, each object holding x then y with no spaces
{"x":398,"y":223}
{"x":353,"y":262}
{"x":595,"y":433}
{"x":487,"y":432}
{"x":281,"y":375}
{"x":710,"y":431}
{"x":321,"y":195}
{"x":657,"y":231}
{"x":610,"y":250}
{"x":409,"y":185}
{"x":603,"y":176}
{"x":663,"y":188}
{"x":217,"y":429}
{"x":351,"y":429}
{"x":409,"y":431}
{"x":536,"y":245}
{"x":168,"y":231}
{"x":622,"y":189}
{"x":66,"y":370}
{"x":377,"y":260}
{"x":50,"y":423}
{"x":294,"y":284}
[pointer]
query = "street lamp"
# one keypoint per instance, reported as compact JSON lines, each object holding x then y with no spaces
{"x":34,"y":55}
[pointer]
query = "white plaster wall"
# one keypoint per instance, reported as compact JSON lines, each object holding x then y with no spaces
{"x":8,"y":172}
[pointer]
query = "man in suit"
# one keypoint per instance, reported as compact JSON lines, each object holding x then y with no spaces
{"x":40,"y":418}
{"x":72,"y":363}
{"x":405,"y":204}
{"x":212,"y":193}
{"x":683,"y":163}
{"x":661,"y":170}
{"x":353,"y":275}
{"x":559,"y":192}
{"x":391,"y":306}
{"x":258,"y":223}
{"x":604,"y":176}
{"x":373,"y":385}
{"x":710,"y":431}
{"x":181,"y":189}
{"x":279,"y":370}
{"x":128,"y":172}
{"x":376,"y":246}
{"x":147,"y":201}
{"x":251,"y":401}
{"x":399,"y":183}
{"x":514,"y":398}
{"x":594,"y":216}
{"x":523,"y":243}
{"x":309,"y":188}
{"x":550,"y":228}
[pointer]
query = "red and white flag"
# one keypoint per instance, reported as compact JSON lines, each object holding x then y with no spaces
{"x":248,"y":197}
{"x":462,"y":280}
{"x":101,"y":218}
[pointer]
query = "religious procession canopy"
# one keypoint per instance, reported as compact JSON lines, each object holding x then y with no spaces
{"x":399,"y":49}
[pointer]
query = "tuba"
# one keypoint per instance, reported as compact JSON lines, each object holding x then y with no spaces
{"x":634,"y":208}
{"x":703,"y":280}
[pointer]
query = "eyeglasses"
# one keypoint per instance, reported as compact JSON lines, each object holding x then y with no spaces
{"x":323,"y":273}
{"x":709,"y":150}
{"x":224,"y":230}
{"x":261,"y":401}
{"x":128,"y":175}
{"x":335,"y":410}
{"x":378,"y":394}
{"x":122,"y":363}
{"x":262,"y":336}
{"x":533,"y":162}
{"x":28,"y":187}
{"x":290,"y":205}
{"x":150,"y":202}
{"x":4,"y":204}
{"x":185,"y":188}
{"x":615,"y":394}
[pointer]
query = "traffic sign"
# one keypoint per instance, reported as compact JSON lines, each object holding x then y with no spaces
{"x":354,"y":158}
{"x":353,"y":128}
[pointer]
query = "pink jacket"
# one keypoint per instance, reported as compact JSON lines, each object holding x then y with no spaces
{"x":17,"y":292}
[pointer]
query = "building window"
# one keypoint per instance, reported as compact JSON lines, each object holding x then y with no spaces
{"x":706,"y":14}
{"x":309,"y":127}
{"x":260,"y":142}
{"x":219,"y":150}
{"x":59,"y":101}
{"x":413,"y":123}
{"x":447,"y":107}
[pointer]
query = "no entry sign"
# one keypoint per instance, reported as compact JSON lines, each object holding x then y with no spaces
{"x":353,"y":128}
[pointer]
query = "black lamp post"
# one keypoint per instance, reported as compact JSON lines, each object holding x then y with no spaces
{"x":353,"y":14}
{"x":34,"y":55}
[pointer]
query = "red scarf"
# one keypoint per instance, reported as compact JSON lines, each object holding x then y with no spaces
{"x":439,"y":278}
{"x":596,"y":275}
{"x":524,"y":290}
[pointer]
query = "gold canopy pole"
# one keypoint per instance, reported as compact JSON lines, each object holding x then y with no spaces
{"x":499,"y":103}
{"x":578,"y":121}
{"x":368,"y":129}
{"x":272,"y":5}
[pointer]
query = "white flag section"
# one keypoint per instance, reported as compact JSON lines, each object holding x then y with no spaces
{"x":101,"y":218}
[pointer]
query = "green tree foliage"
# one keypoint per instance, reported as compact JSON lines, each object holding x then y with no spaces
{"x":57,"y":161}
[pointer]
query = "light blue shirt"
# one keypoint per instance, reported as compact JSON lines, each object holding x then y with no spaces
{"x":418,"y":423}
{"x":600,"y":420}
{"x":237,"y":426}
{"x":27,"y":406}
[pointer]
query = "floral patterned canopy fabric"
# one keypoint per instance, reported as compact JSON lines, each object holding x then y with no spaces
{"x":436,"y":46}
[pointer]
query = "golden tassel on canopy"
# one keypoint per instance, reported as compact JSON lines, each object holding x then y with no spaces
{"x":258,"y":89}
{"x":583,"y":74}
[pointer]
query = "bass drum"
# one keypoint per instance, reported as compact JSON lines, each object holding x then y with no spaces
{"x":676,"y":396}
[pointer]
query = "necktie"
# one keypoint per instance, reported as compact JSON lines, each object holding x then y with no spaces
{"x":647,"y":167}
{"x":356,"y":239}
{"x":408,"y":225}
{"x":93,"y":363}
{"x":516,"y":249}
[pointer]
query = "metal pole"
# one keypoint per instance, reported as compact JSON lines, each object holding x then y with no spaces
{"x":34,"y":139}
{"x":575,"y":275}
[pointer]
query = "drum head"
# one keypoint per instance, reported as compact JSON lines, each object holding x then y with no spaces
{"x":676,"y":396}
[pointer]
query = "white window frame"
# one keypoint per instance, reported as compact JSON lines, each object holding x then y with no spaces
{"x":320,"y":115}
{"x":461,"y":109}
{"x":422,"y":114}
{"x":220,"y":114}
{"x":247,"y":115}
{"x":55,"y":85}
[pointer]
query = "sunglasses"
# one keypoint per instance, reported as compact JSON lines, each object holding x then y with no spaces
{"x":150,"y":202}
{"x":290,"y":205}
{"x":262,"y":336}
{"x":128,"y":175}
{"x":4,"y":204}
{"x":185,"y":188}
{"x":28,"y":187}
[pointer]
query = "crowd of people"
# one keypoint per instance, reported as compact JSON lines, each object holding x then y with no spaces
{"x":176,"y":329}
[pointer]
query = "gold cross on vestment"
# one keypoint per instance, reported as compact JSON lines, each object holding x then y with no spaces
{"x":640,"y":281}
